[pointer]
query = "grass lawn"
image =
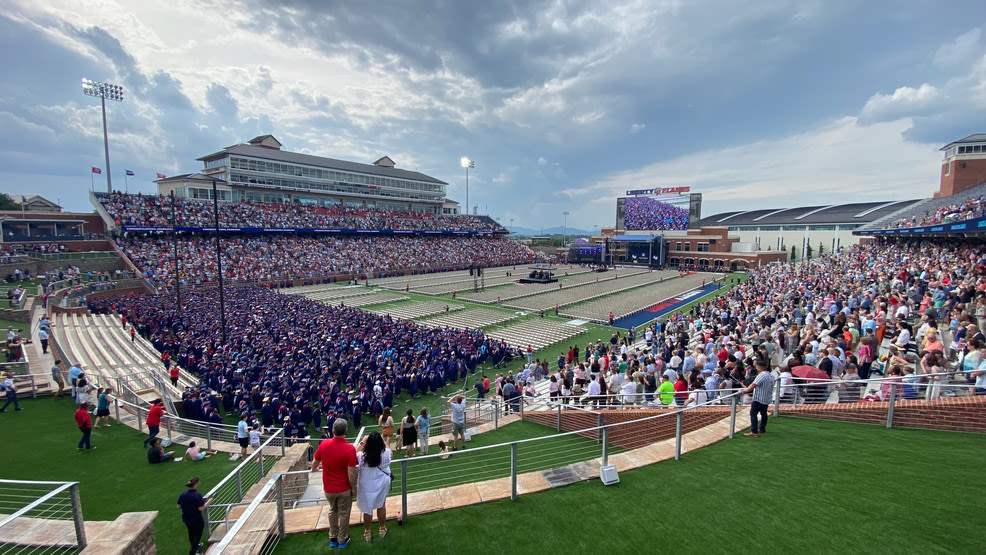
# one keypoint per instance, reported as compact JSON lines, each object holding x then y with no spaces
{"x":39,"y":443}
{"x":809,"y":486}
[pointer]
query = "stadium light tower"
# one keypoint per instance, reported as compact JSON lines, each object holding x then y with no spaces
{"x":565,"y":228}
{"x":104,"y":91}
{"x":466,"y":163}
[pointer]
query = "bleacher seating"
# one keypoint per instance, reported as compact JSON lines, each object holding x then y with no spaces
{"x":936,"y":210}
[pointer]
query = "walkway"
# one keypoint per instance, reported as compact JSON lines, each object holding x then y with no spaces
{"x":314,"y":518}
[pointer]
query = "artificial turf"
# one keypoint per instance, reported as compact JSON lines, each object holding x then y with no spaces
{"x":39,"y":443}
{"x":808,"y":486}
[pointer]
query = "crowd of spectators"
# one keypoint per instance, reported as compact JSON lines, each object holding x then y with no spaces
{"x":955,"y":212}
{"x":648,"y":213}
{"x":292,"y":362}
{"x":266,"y":258}
{"x":295,"y":363}
{"x":156,"y":211}
{"x":830,"y":317}
{"x":834,"y":313}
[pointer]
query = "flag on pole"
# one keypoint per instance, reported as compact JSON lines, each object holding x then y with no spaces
{"x":131,"y":173}
{"x":160,"y":176}
{"x":96,"y":170}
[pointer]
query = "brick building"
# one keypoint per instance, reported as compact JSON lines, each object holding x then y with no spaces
{"x":964,"y":165}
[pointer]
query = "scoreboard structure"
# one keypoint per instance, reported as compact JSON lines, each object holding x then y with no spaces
{"x":660,"y":209}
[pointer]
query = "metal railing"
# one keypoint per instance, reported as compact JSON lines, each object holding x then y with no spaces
{"x":228,"y":493}
{"x":43,"y":517}
{"x":504,"y":460}
{"x":35,"y":383}
{"x":926,"y":388}
{"x":555,"y":454}
{"x":275,"y":488}
{"x":174,"y":428}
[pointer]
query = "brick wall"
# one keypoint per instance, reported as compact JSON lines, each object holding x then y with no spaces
{"x":634,"y":434}
{"x":962,"y":414}
{"x":963,"y":175}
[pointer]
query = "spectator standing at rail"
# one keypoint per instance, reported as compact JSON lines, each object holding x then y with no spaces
{"x":340,"y":480}
{"x":458,"y":406}
{"x":762,"y":388}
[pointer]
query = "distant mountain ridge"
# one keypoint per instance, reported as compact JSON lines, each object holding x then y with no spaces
{"x":556,"y":230}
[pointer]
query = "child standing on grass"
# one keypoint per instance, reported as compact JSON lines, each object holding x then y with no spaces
{"x":255,"y":437}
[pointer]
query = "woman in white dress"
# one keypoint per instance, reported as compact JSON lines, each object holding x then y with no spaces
{"x":374,"y":482}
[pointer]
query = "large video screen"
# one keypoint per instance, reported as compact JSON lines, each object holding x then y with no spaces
{"x":656,"y":213}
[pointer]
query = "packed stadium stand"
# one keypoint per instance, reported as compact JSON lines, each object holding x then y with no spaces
{"x":153,"y":211}
{"x":966,"y":205}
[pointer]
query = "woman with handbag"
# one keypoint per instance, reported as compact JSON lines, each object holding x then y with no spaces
{"x":374,"y":482}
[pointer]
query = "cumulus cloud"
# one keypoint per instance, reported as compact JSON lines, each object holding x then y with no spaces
{"x":964,"y":48}
{"x":903,"y":102}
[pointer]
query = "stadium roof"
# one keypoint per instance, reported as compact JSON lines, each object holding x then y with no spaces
{"x":832,"y":214}
{"x":977,"y":138}
{"x":191,"y":177}
{"x":278,"y":155}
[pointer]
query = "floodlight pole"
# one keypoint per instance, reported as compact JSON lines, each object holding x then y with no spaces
{"x":219,"y":264}
{"x":106,"y":146}
{"x":115,"y":92}
{"x":174,"y":239}
{"x":565,"y":228}
{"x":467,"y":163}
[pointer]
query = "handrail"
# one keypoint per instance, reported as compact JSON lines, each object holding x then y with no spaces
{"x":249,"y":459}
{"x":241,"y":522}
{"x":27,"y":508}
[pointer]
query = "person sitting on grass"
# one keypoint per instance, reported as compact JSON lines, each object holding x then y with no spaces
{"x":194,"y":453}
{"x":443,"y":450}
{"x":156,"y":453}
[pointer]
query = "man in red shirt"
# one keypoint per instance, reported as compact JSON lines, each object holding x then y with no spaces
{"x":340,"y":477}
{"x":85,"y":425}
{"x":154,"y":415}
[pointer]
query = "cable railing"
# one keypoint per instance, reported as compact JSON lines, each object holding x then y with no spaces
{"x":500,"y":466}
{"x":41,"y":517}
{"x":229,"y":492}
{"x":593,"y":436}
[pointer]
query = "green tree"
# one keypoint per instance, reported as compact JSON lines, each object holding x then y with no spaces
{"x":821,"y":248}
{"x":6,"y":203}
{"x":794,"y":253}
{"x":809,"y":252}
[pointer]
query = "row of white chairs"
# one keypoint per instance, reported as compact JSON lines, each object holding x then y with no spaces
{"x":577,"y":277}
{"x":536,"y":332}
{"x":568,"y":296}
{"x":413,"y":311}
{"x":635,"y":300}
{"x":476,"y":318}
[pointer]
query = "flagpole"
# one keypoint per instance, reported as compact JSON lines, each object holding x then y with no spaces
{"x":126,"y":186}
{"x":91,"y":186}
